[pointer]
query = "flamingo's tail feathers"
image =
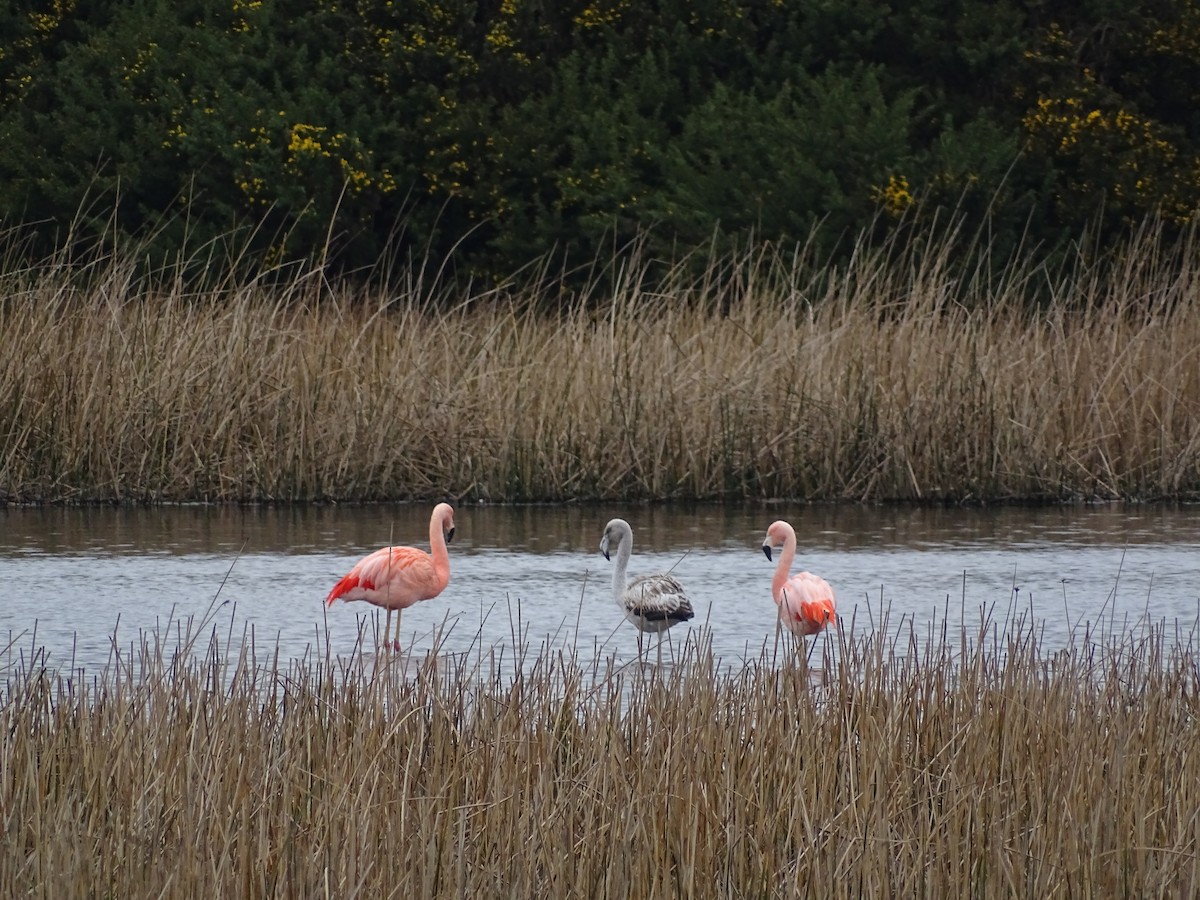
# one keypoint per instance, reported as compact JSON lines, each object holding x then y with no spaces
{"x":342,"y":588}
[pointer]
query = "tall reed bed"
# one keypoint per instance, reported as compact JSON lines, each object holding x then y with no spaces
{"x":906,"y":375}
{"x":978,"y":766}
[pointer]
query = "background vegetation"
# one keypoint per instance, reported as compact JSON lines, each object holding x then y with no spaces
{"x":908,"y":374}
{"x":488,"y":133}
{"x":266,"y":249}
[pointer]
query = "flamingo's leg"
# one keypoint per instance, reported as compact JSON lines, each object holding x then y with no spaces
{"x":396,"y":642}
{"x":387,"y":628}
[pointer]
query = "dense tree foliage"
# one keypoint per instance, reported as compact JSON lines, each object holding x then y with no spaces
{"x":492,"y":132}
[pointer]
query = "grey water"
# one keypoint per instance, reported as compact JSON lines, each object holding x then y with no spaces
{"x":75,"y":583}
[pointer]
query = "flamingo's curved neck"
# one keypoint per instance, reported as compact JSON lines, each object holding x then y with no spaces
{"x":784,"y":565}
{"x":437,"y":547}
{"x":622,"y":563}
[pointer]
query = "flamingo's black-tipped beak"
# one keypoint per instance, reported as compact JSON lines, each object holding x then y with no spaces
{"x":449,"y":535}
{"x":606,"y":556}
{"x":767,"y":551}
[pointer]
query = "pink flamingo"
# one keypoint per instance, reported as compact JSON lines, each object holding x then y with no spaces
{"x":397,"y":577}
{"x":805,"y":600}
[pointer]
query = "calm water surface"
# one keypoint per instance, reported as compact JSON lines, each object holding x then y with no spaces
{"x":73,"y":580}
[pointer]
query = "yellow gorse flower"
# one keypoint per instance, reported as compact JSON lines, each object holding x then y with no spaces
{"x":895,"y":197}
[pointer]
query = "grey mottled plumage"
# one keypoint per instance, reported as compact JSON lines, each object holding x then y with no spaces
{"x":653,"y":603}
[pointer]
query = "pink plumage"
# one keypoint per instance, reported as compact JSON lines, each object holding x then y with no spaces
{"x":394,"y":578}
{"x":806,"y":602}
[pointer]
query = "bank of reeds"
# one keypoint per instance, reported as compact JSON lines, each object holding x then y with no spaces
{"x":971,"y":766}
{"x":906,"y":375}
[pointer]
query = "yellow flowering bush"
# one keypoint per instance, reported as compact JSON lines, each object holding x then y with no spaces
{"x":895,"y":197}
{"x":1130,"y":159}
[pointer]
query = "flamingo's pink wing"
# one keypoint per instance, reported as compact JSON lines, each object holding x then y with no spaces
{"x":818,"y":614}
{"x":393,"y":577}
{"x":808,"y":603}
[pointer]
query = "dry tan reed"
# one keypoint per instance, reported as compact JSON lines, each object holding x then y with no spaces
{"x":973,"y":767}
{"x":898,"y":377}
